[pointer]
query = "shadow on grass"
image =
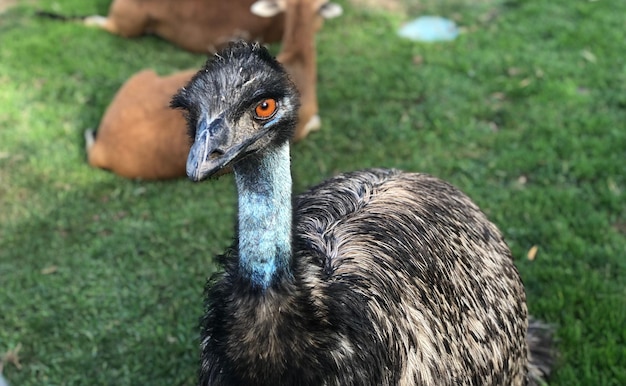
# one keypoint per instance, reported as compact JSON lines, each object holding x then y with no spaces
{"x":105,"y":283}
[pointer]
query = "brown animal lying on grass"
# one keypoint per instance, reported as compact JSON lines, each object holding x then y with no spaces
{"x":141,"y":137}
{"x":201,"y":26}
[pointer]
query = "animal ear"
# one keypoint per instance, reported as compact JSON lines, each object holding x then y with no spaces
{"x":268,"y":8}
{"x":330,"y":10}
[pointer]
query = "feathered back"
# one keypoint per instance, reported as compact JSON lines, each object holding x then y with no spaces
{"x":398,"y":279}
{"x":376,"y":277}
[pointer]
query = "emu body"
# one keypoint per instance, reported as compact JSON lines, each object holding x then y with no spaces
{"x":372,"y":296}
{"x":376,"y":277}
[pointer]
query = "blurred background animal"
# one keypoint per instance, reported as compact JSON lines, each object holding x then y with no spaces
{"x":201,"y":26}
{"x":140,"y":137}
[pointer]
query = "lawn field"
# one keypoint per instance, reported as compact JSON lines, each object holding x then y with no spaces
{"x":101,"y":278}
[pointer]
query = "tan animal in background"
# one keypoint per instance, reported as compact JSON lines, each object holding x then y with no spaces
{"x":195,"y":25}
{"x":141,"y":137}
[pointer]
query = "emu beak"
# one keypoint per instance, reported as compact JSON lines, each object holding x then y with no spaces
{"x":207,"y":154}
{"x":213,"y":150}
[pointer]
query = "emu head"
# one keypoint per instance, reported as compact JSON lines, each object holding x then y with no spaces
{"x":241,"y":102}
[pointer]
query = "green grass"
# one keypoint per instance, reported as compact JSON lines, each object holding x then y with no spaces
{"x":101,"y":278}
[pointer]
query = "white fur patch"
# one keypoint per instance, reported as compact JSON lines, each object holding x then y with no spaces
{"x":331,"y":10}
{"x":268,"y":8}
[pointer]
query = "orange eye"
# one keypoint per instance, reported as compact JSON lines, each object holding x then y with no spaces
{"x":265,"y":109}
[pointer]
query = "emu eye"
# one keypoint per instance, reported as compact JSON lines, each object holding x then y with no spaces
{"x":265,"y":109}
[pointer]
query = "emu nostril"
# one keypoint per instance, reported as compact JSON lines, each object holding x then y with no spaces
{"x":216,"y":154}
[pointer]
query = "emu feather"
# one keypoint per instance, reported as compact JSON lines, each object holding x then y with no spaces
{"x":375,"y":277}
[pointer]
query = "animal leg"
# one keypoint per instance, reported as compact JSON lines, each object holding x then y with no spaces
{"x":314,"y":124}
{"x":127,"y":27}
{"x":90,"y":139}
{"x":101,"y":22}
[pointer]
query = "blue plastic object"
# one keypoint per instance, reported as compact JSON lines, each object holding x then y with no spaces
{"x":429,"y":29}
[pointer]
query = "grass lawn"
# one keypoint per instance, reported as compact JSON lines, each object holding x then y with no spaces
{"x":101,"y":278}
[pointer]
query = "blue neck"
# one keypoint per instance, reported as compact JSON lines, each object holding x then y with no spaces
{"x":265,"y":217}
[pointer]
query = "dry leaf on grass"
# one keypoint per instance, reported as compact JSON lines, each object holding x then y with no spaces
{"x":12,"y":356}
{"x":49,"y":270}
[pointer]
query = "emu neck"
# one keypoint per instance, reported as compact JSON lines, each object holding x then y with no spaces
{"x":265,"y":216}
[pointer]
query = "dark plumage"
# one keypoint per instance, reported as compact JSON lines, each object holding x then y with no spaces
{"x":376,"y":277}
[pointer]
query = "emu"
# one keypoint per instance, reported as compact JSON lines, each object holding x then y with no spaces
{"x":374,"y":277}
